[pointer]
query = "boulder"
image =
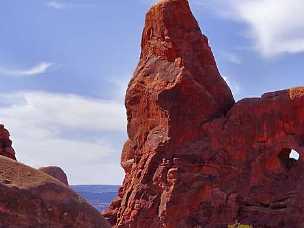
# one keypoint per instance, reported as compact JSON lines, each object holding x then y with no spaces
{"x":56,"y":172}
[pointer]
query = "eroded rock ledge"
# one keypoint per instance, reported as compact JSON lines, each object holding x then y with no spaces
{"x":194,"y":158}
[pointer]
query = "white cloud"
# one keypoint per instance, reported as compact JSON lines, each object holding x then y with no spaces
{"x":84,"y":162}
{"x":59,"y":5}
{"x":40,"y":124}
{"x":35,"y":70}
{"x":64,"y":110}
{"x":276,"y":26}
{"x":55,"y":5}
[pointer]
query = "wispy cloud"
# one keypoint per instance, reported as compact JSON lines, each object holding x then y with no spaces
{"x":276,"y":26}
{"x":55,"y":5}
{"x":65,"y":111}
{"x":32,"y":71}
{"x":52,"y":129}
{"x":59,"y":5}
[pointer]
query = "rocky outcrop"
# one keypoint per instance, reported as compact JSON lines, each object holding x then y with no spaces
{"x":31,"y":198}
{"x":194,"y":158}
{"x":56,"y":172}
{"x":6,"y":148}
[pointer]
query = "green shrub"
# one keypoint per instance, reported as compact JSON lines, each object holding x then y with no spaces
{"x":239,"y":226}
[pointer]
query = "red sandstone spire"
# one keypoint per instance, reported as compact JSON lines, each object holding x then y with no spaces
{"x":175,"y":89}
{"x":177,"y":72}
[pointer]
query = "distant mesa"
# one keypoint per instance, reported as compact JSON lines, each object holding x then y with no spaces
{"x":194,"y":157}
{"x":56,"y":172}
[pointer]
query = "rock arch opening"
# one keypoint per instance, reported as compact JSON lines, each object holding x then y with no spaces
{"x":289,"y":157}
{"x":294,"y":155}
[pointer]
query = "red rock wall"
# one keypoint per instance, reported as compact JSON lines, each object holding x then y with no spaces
{"x":194,"y":158}
{"x":6,"y":148}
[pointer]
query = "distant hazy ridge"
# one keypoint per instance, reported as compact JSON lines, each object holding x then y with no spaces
{"x":99,"y":196}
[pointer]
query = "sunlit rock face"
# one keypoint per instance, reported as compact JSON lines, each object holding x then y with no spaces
{"x":194,"y":157}
{"x":6,"y":148}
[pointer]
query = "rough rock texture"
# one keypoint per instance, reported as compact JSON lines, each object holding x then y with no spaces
{"x":194,"y":158}
{"x":6,"y":148}
{"x":55,"y":172}
{"x":30,"y":198}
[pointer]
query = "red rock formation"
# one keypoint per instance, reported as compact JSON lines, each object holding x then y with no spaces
{"x":56,"y":172}
{"x":30,"y":198}
{"x":6,"y":148}
{"x":194,"y":158}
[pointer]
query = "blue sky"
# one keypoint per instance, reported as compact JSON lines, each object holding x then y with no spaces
{"x":64,"y":67}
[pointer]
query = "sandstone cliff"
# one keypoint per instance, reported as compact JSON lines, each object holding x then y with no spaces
{"x":194,"y":158}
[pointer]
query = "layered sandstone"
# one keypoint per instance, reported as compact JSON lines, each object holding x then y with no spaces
{"x":30,"y":198}
{"x":56,"y":172}
{"x":6,"y":148}
{"x":194,"y":158}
